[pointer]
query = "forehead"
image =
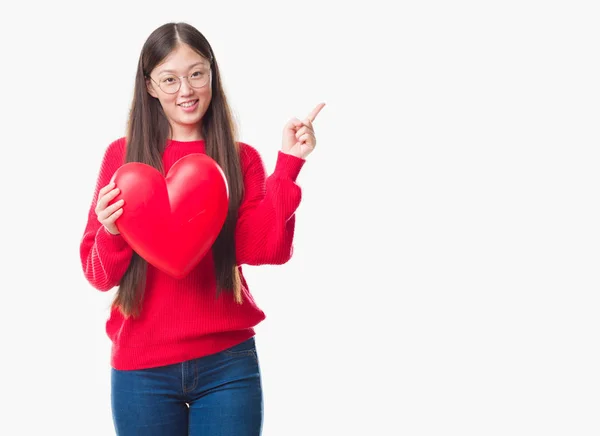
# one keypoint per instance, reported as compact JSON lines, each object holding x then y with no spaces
{"x":181,"y":59}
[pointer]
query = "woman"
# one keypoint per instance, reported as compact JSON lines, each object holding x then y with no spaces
{"x":183,"y":355}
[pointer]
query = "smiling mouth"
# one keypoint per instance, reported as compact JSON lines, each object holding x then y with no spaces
{"x":188,"y":103}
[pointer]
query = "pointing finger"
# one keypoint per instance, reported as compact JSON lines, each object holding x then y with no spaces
{"x":311,"y":117}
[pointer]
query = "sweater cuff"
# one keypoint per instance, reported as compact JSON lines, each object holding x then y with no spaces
{"x":111,"y":242}
{"x":288,"y":165}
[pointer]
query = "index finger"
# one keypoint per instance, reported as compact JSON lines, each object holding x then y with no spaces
{"x":315,"y":112}
{"x":105,"y":189}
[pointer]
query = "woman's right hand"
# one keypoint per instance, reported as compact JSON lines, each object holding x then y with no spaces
{"x":107,"y":215}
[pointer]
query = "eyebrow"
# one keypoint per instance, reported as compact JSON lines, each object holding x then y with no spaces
{"x":204,"y":64}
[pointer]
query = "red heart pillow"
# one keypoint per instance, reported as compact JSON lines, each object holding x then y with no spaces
{"x":172,"y":221}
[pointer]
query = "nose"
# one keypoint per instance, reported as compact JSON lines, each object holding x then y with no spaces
{"x":185,"y":88}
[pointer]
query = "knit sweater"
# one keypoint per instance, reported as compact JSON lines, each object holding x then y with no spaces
{"x":184,"y":319}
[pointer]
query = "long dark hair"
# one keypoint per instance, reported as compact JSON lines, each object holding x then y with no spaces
{"x":147,"y":133}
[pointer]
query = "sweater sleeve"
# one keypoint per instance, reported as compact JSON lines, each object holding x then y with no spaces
{"x":266,"y":220}
{"x":104,"y":256}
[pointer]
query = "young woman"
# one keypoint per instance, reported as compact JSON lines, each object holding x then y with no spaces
{"x":183,"y":358}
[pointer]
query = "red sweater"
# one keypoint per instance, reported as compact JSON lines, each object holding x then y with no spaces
{"x":183,"y":319}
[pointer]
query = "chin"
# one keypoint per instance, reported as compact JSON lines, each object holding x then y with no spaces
{"x":189,"y":119}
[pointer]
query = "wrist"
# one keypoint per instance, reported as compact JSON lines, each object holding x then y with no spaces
{"x":109,"y":232}
{"x":288,"y":165}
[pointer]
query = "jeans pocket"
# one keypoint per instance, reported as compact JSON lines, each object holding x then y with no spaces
{"x":246,"y":348}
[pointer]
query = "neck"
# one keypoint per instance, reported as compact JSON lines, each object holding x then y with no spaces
{"x":186,"y":133}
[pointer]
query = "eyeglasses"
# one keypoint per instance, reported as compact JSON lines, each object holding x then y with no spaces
{"x":171,"y":83}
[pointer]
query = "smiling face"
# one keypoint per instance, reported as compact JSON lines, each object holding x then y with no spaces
{"x":182,"y":84}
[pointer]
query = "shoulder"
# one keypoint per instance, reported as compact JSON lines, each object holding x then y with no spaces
{"x":249,"y":156}
{"x":114,"y":157}
{"x":248,"y":152}
{"x":115,"y":152}
{"x":117,"y":146}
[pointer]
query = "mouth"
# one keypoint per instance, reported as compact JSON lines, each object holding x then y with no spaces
{"x":191,"y":104}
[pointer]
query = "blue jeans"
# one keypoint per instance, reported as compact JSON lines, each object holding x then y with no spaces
{"x":220,"y":394}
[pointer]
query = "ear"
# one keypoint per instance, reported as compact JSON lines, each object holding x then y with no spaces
{"x":150,"y":88}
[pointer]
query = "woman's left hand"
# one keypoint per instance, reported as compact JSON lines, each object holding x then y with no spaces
{"x":299,"y":136}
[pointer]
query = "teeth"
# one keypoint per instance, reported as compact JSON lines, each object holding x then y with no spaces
{"x":188,"y":104}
